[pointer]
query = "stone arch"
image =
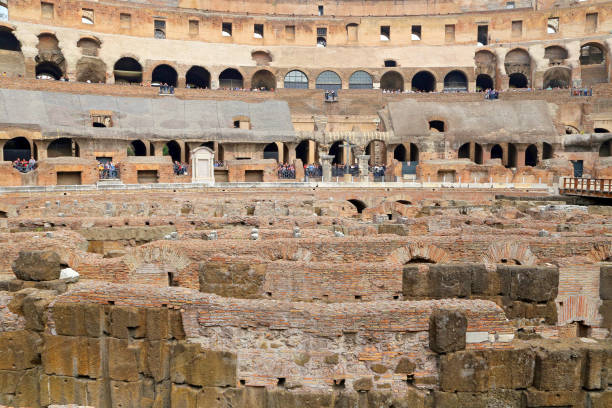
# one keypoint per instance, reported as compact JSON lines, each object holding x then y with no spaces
{"x":486,"y":62}
{"x":305,"y":150}
{"x":592,"y":53}
{"x":159,"y":258}
{"x":231,"y":78}
{"x":164,"y":74}
{"x":17,"y":148}
{"x":555,"y":54}
{"x":484,"y":82}
{"x":419,"y":251}
{"x":270,"y":151}
{"x":197,"y":77}
{"x":377,"y":150}
{"x":601,"y":253}
{"x":137,"y":148}
{"x":296,"y":79}
{"x":392,"y":81}
{"x":89,"y":46}
{"x":557,"y":77}
{"x":360,"y":80}
{"x":531,"y":155}
{"x":423,"y":81}
{"x":456,"y":81}
{"x":91,"y":69}
{"x":605,"y":149}
{"x":518,"y":61}
{"x":518,"y":80}
{"x":508,"y":252}
{"x":329,"y":81}
{"x":172,"y":149}
{"x":263,"y":79}
{"x":127,"y":70}
{"x":12,"y":60}
{"x":50,"y":58}
{"x":359,"y":205}
{"x":63,"y":147}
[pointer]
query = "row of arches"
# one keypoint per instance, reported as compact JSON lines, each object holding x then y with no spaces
{"x":507,"y":152}
{"x":22,"y":148}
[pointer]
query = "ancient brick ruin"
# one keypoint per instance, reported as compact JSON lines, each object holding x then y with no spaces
{"x":294,"y":299}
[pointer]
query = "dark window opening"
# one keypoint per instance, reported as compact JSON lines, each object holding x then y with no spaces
{"x":226,"y":29}
{"x":164,"y":74}
{"x":321,"y":10}
{"x":483,"y":34}
{"x":231,"y":78}
{"x":424,"y":81}
{"x":436,"y":125}
{"x":359,"y":205}
{"x":385,"y":33}
{"x":160,"y":29}
{"x":518,"y":80}
{"x":497,"y":152}
{"x":483,"y":82}
{"x":531,"y":156}
{"x":258,"y":30}
{"x":390,"y":63}
{"x":127,"y":70}
{"x":9,"y":42}
{"x":416,"y":33}
{"x":271,"y":151}
{"x":197,"y":77}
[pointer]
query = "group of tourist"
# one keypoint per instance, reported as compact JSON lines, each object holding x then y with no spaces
{"x":286,"y":171}
{"x":107,"y":170}
{"x":313,"y":170}
{"x":491,"y":94}
{"x":23,"y":165}
{"x":378,"y":170}
{"x":165,"y":89}
{"x":260,"y":89}
{"x":331,"y":96}
{"x":181,"y":169}
{"x":582,"y":92}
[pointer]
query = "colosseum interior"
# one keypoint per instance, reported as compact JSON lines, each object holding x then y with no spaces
{"x":223,"y":204}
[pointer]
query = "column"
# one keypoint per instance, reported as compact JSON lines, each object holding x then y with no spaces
{"x":2,"y":143}
{"x":363,"y":159}
{"x":520,"y":156}
{"x":504,"y":147}
{"x":290,"y":152}
{"x":326,"y":160}
{"x":312,"y":149}
{"x":473,"y":152}
{"x":159,"y":148}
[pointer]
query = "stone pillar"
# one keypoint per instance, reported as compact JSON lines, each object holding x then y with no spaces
{"x":2,"y":143}
{"x":290,"y":152}
{"x":520,"y":156}
{"x":473,"y":152}
{"x":183,"y":151}
{"x":504,"y":147}
{"x":326,"y":160}
{"x":159,"y":148}
{"x":147,"y":148}
{"x":363,"y":159}
{"x":312,"y":149}
{"x":42,"y":149}
{"x":216,"y":149}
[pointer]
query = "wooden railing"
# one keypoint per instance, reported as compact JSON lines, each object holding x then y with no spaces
{"x":586,"y":187}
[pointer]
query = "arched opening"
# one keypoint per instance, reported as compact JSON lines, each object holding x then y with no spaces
{"x":517,"y":80}
{"x":271,"y":151}
{"x":497,"y":152}
{"x":592,"y":54}
{"x":436,"y":126}
{"x":99,"y":125}
{"x":531,"y":155}
{"x":329,"y":80}
{"x":89,"y":46}
{"x":263,"y":80}
{"x":48,"y":70}
{"x":197,"y":77}
{"x":555,"y":54}
{"x":484,"y":82}
{"x":404,"y":202}
{"x":511,"y":156}
{"x":464,"y":151}
{"x":231,"y":79}
{"x":17,"y":148}
{"x":605,"y":150}
{"x":307,"y":152}
{"x":164,"y":74}
{"x":392,"y":81}
{"x":518,"y":65}
{"x":321,"y":42}
{"x":423,"y":81}
{"x":557,"y":78}
{"x":547,"y":151}
{"x":261,"y":57}
{"x":455,"y":81}
{"x":399,"y":153}
{"x":337,"y":150}
{"x":127,"y":70}
{"x":377,"y":151}
{"x":359,"y":205}
{"x":91,"y":70}
{"x":360,"y":80}
{"x":601,"y":130}
{"x":63,"y":147}
{"x":8,"y":41}
{"x":172,"y":149}
{"x":137,"y":148}
{"x":296,"y":80}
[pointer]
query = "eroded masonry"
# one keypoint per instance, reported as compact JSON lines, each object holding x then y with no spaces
{"x":296,"y":298}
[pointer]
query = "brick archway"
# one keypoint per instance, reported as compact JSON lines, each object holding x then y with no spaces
{"x":156,"y":264}
{"x":504,"y":252}
{"x":422,"y":251}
